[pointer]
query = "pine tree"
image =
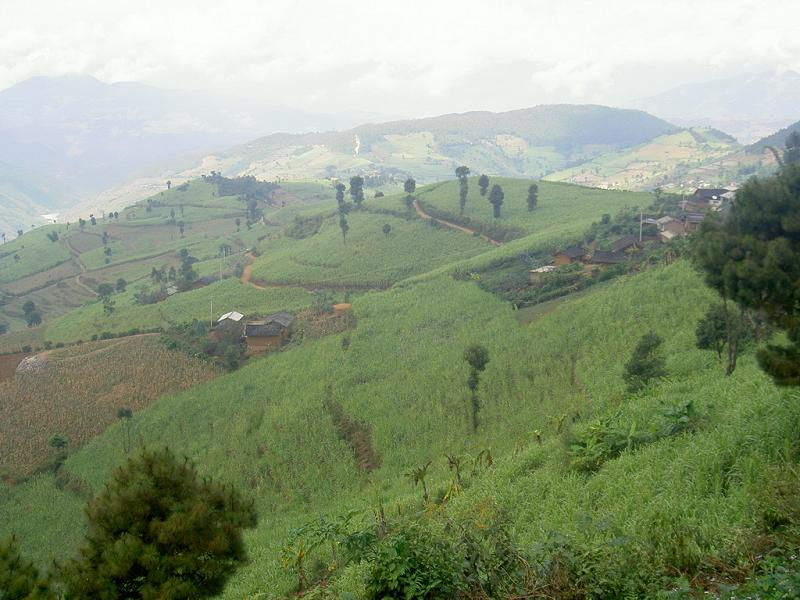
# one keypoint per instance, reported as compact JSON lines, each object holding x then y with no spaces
{"x":752,"y":257}
{"x":19,"y":578}
{"x":159,"y":531}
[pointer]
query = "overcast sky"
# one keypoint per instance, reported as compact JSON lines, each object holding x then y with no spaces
{"x":403,"y":58}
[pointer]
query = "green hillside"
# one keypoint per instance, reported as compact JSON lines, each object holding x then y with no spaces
{"x":684,"y":159}
{"x":676,"y":490}
{"x":527,"y":143}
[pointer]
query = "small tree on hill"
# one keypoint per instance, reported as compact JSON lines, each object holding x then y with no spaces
{"x":387,"y":229}
{"x":712,"y":330}
{"x":105,"y":289}
{"x":410,"y":186}
{"x":19,"y":578}
{"x":357,"y":190}
{"x":121,"y":285}
{"x":158,"y":530}
{"x":483,"y":184}
{"x":343,"y":226}
{"x":477,"y":358}
{"x":646,"y":363}
{"x":340,"y":189}
{"x":462,"y":173}
{"x":496,"y":198}
{"x":533,"y":196}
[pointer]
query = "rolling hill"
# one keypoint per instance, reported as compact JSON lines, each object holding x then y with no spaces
{"x":591,"y":491}
{"x":684,"y":159}
{"x":527,"y":143}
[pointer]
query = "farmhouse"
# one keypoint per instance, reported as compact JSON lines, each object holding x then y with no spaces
{"x":626,"y":242}
{"x":231,"y":325}
{"x":266,"y":334}
{"x":568,"y":256}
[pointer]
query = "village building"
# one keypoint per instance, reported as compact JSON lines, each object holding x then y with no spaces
{"x":568,"y":256}
{"x":626,"y":243}
{"x":230,"y":327}
{"x":270,"y":333}
{"x":602,"y":257}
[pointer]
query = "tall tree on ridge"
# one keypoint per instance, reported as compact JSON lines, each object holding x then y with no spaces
{"x":496,"y":198}
{"x":357,"y":189}
{"x":483,"y":184}
{"x":462,"y":173}
{"x":533,"y":196}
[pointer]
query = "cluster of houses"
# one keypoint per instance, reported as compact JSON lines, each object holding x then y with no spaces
{"x":693,"y":211}
{"x":259,"y":335}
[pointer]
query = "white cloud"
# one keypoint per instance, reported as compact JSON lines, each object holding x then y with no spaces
{"x":399,"y":57}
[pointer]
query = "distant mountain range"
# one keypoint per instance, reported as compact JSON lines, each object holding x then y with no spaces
{"x":528,"y":142}
{"x":747,"y":106}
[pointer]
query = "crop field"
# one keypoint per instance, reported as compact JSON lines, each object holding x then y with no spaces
{"x":369,"y":257}
{"x":227,"y":295}
{"x":562,"y":209}
{"x":34,"y":252}
{"x":78,"y":395}
{"x":690,"y":488}
{"x":282,"y":447}
{"x":51,"y":302}
{"x":662,"y":161}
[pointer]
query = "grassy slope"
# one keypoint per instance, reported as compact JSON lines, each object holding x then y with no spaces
{"x":562,"y":209}
{"x":369,"y":256}
{"x":665,"y":161}
{"x":264,"y":428}
{"x":281,"y":447}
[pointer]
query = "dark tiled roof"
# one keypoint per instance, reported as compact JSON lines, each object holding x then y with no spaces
{"x":626,"y":241}
{"x":573,"y":252}
{"x":261,"y":329}
{"x":607,"y":258}
{"x":283,"y":318}
{"x":709,"y":193}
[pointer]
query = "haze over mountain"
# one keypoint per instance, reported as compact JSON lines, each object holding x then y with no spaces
{"x":528,"y":142}
{"x":75,"y":136}
{"x":747,"y":106}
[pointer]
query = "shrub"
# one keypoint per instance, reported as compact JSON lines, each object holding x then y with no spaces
{"x":646,"y":363}
{"x":413,"y":563}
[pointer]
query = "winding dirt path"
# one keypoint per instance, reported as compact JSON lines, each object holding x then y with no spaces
{"x":461,"y":228}
{"x":76,"y":255}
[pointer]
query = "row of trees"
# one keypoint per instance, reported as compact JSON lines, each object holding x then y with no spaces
{"x":496,"y":195}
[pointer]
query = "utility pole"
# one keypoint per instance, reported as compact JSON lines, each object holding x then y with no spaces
{"x":211,"y":312}
{"x":641,"y":219}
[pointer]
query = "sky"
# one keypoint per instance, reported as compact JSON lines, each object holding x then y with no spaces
{"x":403,"y":58}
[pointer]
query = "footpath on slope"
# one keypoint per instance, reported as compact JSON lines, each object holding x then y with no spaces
{"x":428,"y":217}
{"x":308,"y":286}
{"x":76,"y":255}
